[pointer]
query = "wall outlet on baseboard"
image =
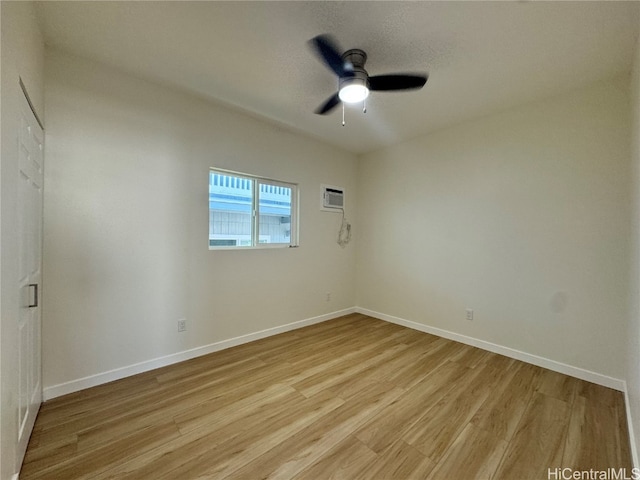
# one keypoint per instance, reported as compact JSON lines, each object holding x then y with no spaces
{"x":182,"y":325}
{"x":469,"y":314}
{"x":328,"y":297}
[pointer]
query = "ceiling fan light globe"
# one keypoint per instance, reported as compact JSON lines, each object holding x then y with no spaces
{"x":353,"y":93}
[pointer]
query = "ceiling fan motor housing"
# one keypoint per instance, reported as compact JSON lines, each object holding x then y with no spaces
{"x":354,"y":60}
{"x":355,"y":57}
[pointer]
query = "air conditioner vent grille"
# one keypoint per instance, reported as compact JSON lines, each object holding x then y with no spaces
{"x":332,"y":198}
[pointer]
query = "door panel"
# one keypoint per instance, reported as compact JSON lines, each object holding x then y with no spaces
{"x":30,"y":176}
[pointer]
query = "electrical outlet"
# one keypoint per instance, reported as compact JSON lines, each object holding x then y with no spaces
{"x":328,"y":297}
{"x":469,"y":314}
{"x":182,"y":325}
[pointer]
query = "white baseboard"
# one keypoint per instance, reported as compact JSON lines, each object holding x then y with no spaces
{"x":632,"y":437}
{"x":572,"y":371}
{"x":118,"y":373}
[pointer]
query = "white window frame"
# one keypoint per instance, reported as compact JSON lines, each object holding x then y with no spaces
{"x":255,"y":213}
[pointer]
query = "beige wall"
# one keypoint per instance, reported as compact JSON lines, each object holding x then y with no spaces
{"x":22,"y":57}
{"x":633,"y":354}
{"x":126,"y":224}
{"x":522,"y":216}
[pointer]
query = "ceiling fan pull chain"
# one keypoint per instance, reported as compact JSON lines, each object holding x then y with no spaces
{"x":343,"y":114}
{"x":364,"y":106}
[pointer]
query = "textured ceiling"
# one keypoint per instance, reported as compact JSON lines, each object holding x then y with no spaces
{"x":481,"y":57}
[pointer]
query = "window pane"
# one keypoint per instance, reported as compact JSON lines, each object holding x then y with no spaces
{"x":230,"y":200}
{"x":274,"y":208}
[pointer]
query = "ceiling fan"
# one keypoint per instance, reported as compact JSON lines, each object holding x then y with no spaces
{"x":354,"y":83}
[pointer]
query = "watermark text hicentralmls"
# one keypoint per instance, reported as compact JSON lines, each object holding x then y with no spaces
{"x":567,"y":473}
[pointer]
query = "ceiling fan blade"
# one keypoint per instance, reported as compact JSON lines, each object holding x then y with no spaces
{"x":397,"y":82}
{"x":327,"y":50}
{"x":329,"y":105}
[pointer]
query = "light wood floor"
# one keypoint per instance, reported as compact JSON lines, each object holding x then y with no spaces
{"x":352,"y":398}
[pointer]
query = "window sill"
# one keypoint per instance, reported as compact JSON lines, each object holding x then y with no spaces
{"x":257,"y":247}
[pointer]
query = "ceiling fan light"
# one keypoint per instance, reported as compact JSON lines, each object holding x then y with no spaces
{"x":353,"y":93}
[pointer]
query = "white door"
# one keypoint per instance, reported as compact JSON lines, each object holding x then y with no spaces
{"x":30,"y":144}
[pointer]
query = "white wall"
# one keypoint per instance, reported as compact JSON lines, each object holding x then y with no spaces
{"x":126,"y":233}
{"x":633,"y":354}
{"x":522,"y":216}
{"x":22,"y":57}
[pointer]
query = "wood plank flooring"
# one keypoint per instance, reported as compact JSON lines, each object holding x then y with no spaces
{"x":351,"y":398}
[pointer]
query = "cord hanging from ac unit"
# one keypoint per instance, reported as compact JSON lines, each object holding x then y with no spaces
{"x":344,"y":235}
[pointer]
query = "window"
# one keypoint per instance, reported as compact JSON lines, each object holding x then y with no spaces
{"x":248,"y":211}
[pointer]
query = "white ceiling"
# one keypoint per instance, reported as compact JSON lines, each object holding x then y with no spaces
{"x":481,"y":57}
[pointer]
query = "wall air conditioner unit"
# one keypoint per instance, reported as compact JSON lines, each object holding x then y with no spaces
{"x":332,"y":198}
